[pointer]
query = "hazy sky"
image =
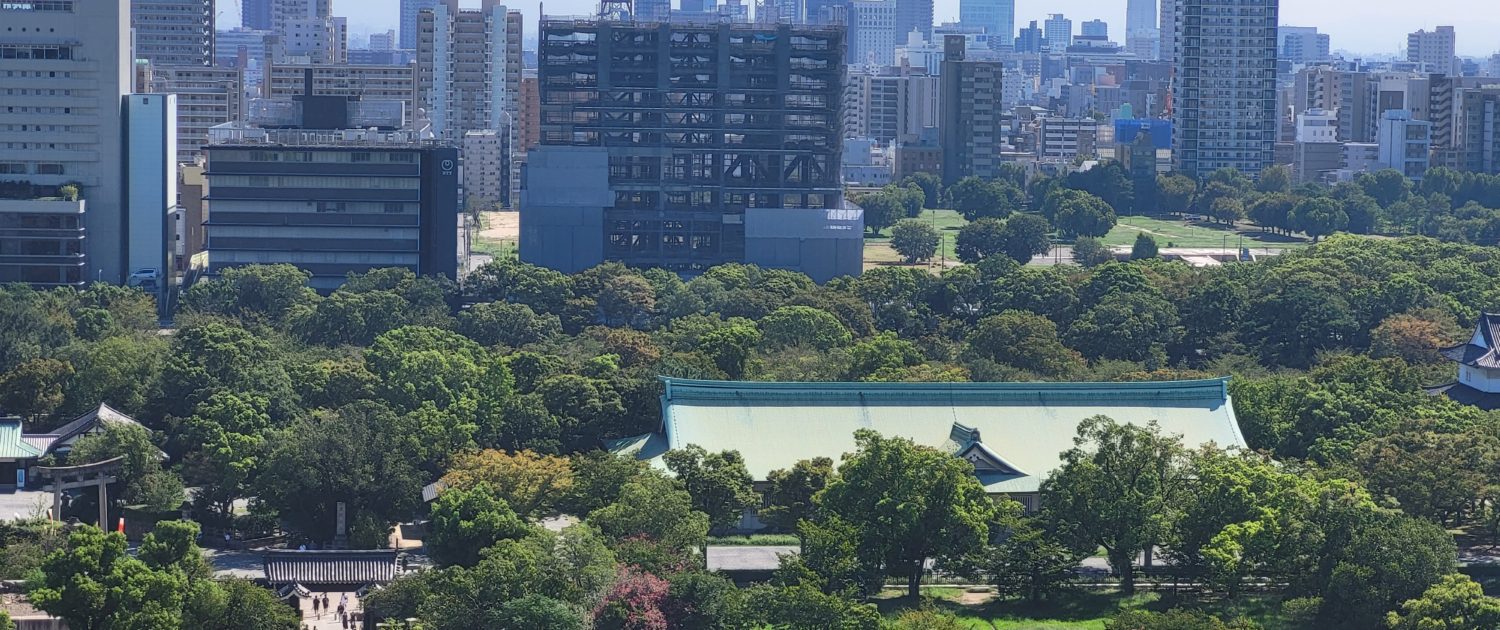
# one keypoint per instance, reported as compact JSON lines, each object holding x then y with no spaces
{"x":1376,"y":26}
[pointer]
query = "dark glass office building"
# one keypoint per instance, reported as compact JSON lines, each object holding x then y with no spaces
{"x":683,"y":146}
{"x":331,"y":200}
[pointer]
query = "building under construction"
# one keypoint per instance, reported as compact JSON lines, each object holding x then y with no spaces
{"x":683,"y":145}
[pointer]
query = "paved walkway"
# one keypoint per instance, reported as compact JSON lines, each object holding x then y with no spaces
{"x":325,"y":619}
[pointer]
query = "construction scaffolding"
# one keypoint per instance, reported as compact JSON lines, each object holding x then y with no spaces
{"x":701,"y":121}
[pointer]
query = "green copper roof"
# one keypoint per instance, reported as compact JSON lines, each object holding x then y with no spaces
{"x":11,"y":444}
{"x":1022,"y":427}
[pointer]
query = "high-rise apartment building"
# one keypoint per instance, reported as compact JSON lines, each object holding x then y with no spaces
{"x":255,"y":14}
{"x":411,"y":15}
{"x":1477,"y":132}
{"x":969,"y":124}
{"x":1142,"y":33}
{"x":486,"y":166}
{"x":312,"y":40}
{"x":1224,"y":91}
{"x":872,"y":32}
{"x":996,"y":17}
{"x":173,"y":32}
{"x":469,"y":70}
{"x":890,"y":104}
{"x":205,"y":98}
{"x":1436,"y":50}
{"x":1348,"y":94}
{"x":913,"y":15}
{"x":285,"y":81}
{"x":66,"y":66}
{"x":1058,"y":31}
{"x":654,"y":159}
{"x":1167,"y":34}
{"x":1303,"y":44}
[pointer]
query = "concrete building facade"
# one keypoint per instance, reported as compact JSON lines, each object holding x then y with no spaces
{"x":206,"y":97}
{"x":970,"y":122}
{"x":1224,"y":109}
{"x":469,"y":71}
{"x":65,"y":68}
{"x":150,"y":190}
{"x":872,"y":32}
{"x":1436,"y":50}
{"x":331,"y":201}
{"x":486,"y":166}
{"x":1405,"y":144}
{"x":377,"y":83}
{"x":173,"y":32}
{"x":1058,"y":31}
{"x":688,"y":145}
{"x":890,"y":104}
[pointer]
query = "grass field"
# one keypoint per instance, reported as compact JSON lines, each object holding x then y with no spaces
{"x":878,"y":250}
{"x":1197,"y":234}
{"x":1074,"y":610}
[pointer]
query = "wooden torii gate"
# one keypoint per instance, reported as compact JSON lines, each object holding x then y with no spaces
{"x":99,"y":474}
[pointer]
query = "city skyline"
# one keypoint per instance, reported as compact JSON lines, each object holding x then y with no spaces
{"x":1381,"y":29}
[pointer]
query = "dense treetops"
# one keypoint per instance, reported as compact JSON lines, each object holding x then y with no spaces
{"x":271,"y":391}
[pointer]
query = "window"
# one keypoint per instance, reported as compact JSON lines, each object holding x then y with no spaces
{"x":359,"y":157}
{"x":49,"y":169}
{"x":394,"y":208}
{"x":331,"y":206}
{"x":406,"y":158}
{"x":12,"y":168}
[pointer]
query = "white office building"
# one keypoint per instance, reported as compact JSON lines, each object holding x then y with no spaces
{"x":872,"y":32}
{"x":1058,"y":32}
{"x":64,"y":67}
{"x":1405,"y":144}
{"x":151,"y":189}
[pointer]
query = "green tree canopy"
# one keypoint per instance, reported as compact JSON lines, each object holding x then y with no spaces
{"x":916,"y":240}
{"x":1112,"y":490}
{"x":910,"y":502}
{"x":468,"y":520}
{"x":719,"y":484}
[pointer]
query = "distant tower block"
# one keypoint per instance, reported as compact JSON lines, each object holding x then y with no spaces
{"x":621,"y":10}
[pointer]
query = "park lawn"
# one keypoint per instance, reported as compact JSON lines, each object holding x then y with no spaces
{"x":1197,"y":234}
{"x":878,"y":252}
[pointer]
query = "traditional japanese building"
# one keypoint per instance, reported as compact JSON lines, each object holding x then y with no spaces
{"x":20,"y":451}
{"x":1478,"y":367}
{"x":1013,"y":433}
